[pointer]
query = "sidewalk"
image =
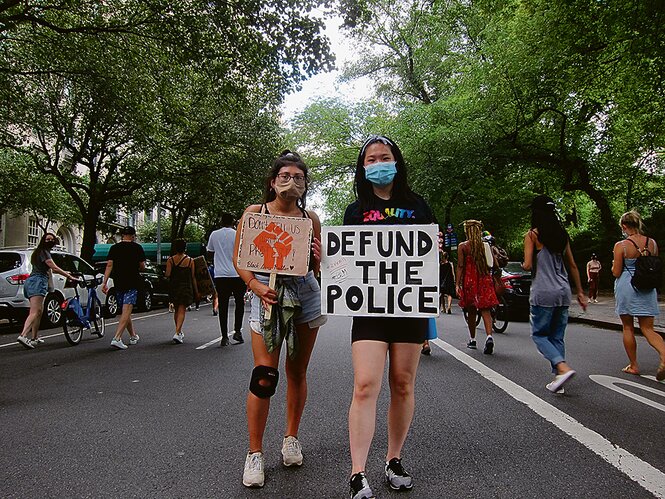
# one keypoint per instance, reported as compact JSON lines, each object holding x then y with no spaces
{"x":602,"y":314}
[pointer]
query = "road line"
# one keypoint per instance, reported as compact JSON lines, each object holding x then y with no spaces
{"x":611,"y":382}
{"x":649,"y":477}
{"x":15,"y":343}
{"x":210,"y":343}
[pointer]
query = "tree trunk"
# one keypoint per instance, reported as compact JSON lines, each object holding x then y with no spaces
{"x":90,"y":219}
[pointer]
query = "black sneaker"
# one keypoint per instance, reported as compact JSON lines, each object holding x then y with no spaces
{"x":225,"y":341}
{"x":360,"y":488}
{"x":426,"y":351}
{"x":471,"y":344}
{"x":397,"y":477}
{"x":489,"y":346}
{"x":237,"y":338}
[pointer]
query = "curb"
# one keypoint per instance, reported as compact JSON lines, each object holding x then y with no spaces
{"x":608,"y":325}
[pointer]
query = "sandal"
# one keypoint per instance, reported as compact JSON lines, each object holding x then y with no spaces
{"x":660,"y":374}
{"x":631,"y":370}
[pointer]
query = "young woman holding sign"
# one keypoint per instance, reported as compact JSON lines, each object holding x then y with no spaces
{"x":285,"y":194}
{"x":384,"y":198}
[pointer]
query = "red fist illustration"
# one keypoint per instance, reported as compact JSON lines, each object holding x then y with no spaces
{"x":274,"y":243}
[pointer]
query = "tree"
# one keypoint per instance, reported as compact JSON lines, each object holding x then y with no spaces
{"x":93,"y":89}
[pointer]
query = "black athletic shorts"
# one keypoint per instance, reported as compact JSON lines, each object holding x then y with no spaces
{"x":390,"y":329}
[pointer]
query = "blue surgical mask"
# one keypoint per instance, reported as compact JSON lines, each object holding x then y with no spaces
{"x":381,"y":173}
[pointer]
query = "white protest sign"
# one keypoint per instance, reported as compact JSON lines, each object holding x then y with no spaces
{"x":275,"y":244}
{"x":380,"y":270}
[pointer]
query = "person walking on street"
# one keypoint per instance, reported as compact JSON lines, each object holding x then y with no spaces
{"x":36,"y":286}
{"x":182,"y":285}
{"x":126,"y":260}
{"x":285,"y":195}
{"x":546,"y":249}
{"x":384,"y":198}
{"x":593,"y":267}
{"x":475,"y":287}
{"x":632,"y":302}
{"x":227,"y":281}
{"x":446,"y":283}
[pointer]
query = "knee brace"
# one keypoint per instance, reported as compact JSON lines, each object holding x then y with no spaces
{"x":264,"y":381}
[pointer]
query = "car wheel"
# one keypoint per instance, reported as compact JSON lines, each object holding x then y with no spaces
{"x":52,"y":314}
{"x":146,"y":303}
{"x":111,"y":304}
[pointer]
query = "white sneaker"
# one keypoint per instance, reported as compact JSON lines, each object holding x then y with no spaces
{"x":559,"y":381}
{"x":118,"y":344}
{"x":133,"y":340}
{"x":179,"y":338}
{"x":25,"y":342}
{"x":291,"y":451}
{"x":253,"y":475}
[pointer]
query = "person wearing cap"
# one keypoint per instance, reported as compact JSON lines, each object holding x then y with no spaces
{"x":126,"y":260}
{"x":547,"y":251}
{"x":593,"y":267}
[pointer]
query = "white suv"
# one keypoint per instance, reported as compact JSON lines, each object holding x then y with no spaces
{"x":15,"y":268}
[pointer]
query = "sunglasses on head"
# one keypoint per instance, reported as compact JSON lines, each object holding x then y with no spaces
{"x":372,"y":139}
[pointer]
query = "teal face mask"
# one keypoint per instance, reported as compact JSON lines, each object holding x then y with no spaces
{"x":381,"y":173}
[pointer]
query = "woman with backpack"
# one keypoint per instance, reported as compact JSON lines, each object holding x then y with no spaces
{"x":630,"y":301}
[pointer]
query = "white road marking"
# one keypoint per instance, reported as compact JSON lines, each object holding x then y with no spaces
{"x":15,"y":343}
{"x":649,"y":477}
{"x":210,"y":343}
{"x":611,"y":382}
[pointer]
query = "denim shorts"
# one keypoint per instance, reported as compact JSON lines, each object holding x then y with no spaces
{"x":309,"y":294}
{"x":35,"y":285}
{"x":127,"y":297}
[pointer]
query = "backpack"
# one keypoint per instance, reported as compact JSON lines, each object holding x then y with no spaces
{"x":648,"y":269}
{"x":500,"y":255}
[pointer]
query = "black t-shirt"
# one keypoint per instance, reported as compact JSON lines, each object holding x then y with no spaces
{"x":126,"y":257}
{"x":390,"y":212}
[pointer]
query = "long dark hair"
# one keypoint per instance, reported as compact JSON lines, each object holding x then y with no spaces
{"x":286,"y":158}
{"x":551,"y":232}
{"x":363,"y":187}
{"x":34,"y":258}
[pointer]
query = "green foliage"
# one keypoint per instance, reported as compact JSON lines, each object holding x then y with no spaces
{"x":118,"y":97}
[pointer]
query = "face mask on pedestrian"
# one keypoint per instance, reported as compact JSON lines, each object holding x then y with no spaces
{"x":290,"y":190}
{"x":51,"y":244}
{"x":381,"y":173}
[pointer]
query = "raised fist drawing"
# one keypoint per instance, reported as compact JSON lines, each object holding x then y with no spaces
{"x":274,"y":244}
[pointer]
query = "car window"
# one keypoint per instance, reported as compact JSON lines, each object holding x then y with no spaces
{"x":9,"y":261}
{"x":63,"y":262}
{"x":82,"y":266}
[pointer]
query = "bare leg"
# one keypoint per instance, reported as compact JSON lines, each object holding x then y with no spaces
{"x":402,"y":376}
{"x":487,"y":320}
{"x":125,"y":322}
{"x":258,"y":408}
{"x":629,"y":343}
{"x":296,"y":378}
{"x":369,"y":358}
{"x":179,"y":317}
{"x":654,"y":339}
{"x":31,"y":323}
{"x":471,"y":322}
{"x":450,"y":302}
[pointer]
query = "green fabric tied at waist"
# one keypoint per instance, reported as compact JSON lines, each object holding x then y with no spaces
{"x":281,"y":326}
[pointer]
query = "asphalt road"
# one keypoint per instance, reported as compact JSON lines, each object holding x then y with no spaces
{"x":165,"y":420}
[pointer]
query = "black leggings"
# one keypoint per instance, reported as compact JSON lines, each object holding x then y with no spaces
{"x":227,"y":286}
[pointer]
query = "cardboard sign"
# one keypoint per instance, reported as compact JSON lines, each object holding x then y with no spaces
{"x":380,"y":270}
{"x":203,"y":279}
{"x":271,"y":243}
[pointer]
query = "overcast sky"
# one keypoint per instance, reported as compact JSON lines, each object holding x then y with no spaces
{"x":325,"y":84}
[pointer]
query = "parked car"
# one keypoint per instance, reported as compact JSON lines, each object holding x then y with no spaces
{"x":518,"y":285}
{"x":15,"y":267}
{"x":155,"y":288}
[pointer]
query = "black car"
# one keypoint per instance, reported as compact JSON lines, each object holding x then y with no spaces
{"x":155,"y":288}
{"x":517,"y":282}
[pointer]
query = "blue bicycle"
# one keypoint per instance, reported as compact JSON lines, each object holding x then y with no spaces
{"x":76,"y":317}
